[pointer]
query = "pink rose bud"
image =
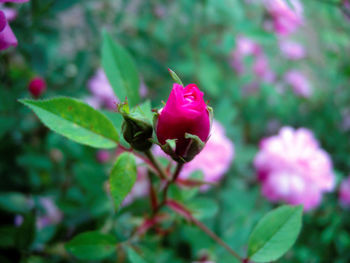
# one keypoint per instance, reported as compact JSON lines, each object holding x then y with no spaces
{"x":184,"y":113}
{"x":37,"y":87}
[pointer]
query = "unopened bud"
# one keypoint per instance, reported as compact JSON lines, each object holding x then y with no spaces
{"x":37,"y":87}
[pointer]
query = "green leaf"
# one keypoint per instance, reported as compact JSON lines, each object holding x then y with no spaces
{"x":134,"y":257}
{"x":275,"y":233}
{"x":123,"y":177}
{"x":25,"y":234}
{"x":76,"y":121}
{"x":8,"y":235}
{"x":203,"y":208}
{"x":120,"y":70}
{"x":92,"y":245}
{"x":14,"y":202}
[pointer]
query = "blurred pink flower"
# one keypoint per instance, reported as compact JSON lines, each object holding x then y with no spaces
{"x":51,"y":216}
{"x":293,"y":168}
{"x":48,"y":215}
{"x":244,"y":47}
{"x":344,"y":192}
{"x":262,"y":69}
{"x":345,"y":124}
{"x":103,"y":156}
{"x":7,"y":37}
{"x":299,"y":83}
{"x":215,"y":159}
{"x":292,"y":50}
{"x":10,"y":13}
{"x":346,"y":9}
{"x":143,"y":89}
{"x":286,"y":17}
{"x":102,"y":92}
{"x":160,"y":11}
{"x":93,"y":102}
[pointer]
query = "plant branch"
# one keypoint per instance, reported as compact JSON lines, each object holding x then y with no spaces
{"x":183,"y":211}
{"x":168,"y":183}
{"x":216,"y":238}
{"x":156,"y":165}
{"x":142,"y":157}
{"x":173,"y":179}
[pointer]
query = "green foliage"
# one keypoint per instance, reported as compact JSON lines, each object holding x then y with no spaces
{"x":203,"y":208}
{"x":61,"y":41}
{"x":134,"y":257}
{"x":76,"y":121}
{"x":92,"y":245}
{"x":120,"y":70}
{"x":25,"y":234}
{"x":275,"y":233}
{"x":14,"y":202}
{"x":122,"y":177}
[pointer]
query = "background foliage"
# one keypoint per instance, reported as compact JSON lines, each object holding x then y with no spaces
{"x":61,"y":41}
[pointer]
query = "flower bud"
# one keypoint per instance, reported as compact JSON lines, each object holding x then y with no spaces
{"x":137,"y":130}
{"x":185,"y":119}
{"x":37,"y":87}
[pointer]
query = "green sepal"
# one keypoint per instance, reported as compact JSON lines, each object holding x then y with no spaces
{"x":211,"y":115}
{"x":175,"y":77}
{"x":195,"y":146}
{"x":136,"y":128}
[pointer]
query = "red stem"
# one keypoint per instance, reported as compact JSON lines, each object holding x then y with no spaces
{"x":183,"y":211}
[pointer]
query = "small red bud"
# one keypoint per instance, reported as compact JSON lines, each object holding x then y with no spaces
{"x":37,"y":87}
{"x":103,"y":156}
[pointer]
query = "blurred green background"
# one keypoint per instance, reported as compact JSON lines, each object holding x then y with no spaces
{"x":61,"y":41}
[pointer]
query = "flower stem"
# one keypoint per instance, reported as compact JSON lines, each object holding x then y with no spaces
{"x":166,"y":187}
{"x":177,"y":172}
{"x":187,"y":214}
{"x":173,"y":179}
{"x":156,"y":165}
{"x":216,"y":238}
